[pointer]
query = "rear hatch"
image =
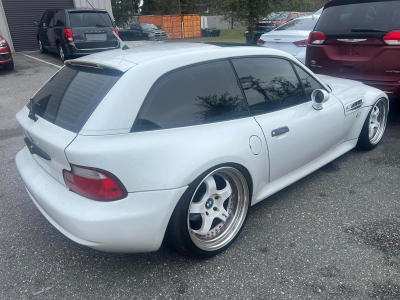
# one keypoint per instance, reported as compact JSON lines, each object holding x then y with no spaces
{"x":55,"y":115}
{"x":354,"y":45}
{"x":290,"y":37}
{"x":91,"y":29}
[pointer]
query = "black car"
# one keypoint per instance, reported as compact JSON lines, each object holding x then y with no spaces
{"x":143,"y":32}
{"x":73,"y":32}
{"x":259,"y":30}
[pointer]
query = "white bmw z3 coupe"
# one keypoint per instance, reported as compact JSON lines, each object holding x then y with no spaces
{"x":127,"y":147}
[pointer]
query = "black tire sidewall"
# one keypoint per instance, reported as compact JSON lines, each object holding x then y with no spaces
{"x":177,"y":232}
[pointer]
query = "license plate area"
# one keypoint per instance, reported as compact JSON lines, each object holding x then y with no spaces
{"x":96,"y":36}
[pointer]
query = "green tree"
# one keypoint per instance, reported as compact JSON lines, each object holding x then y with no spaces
{"x":124,"y":10}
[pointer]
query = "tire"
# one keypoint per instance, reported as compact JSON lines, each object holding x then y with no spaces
{"x":374,"y":125}
{"x":220,"y":198}
{"x":9,"y":66}
{"x":61,"y":52}
{"x":41,"y":47}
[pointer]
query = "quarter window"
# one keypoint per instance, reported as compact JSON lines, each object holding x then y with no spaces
{"x":270,"y":84}
{"x":50,"y":17}
{"x":59,"y":18}
{"x":309,"y":83}
{"x":191,"y":96}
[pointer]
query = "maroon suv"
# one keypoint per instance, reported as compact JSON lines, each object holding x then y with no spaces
{"x":358,"y":40}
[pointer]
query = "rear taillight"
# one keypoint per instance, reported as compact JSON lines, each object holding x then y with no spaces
{"x":316,"y":38}
{"x":302,"y":43}
{"x":94,"y":183}
{"x":116,"y":31}
{"x":68,"y":35}
{"x":260,"y":42}
{"x":392,"y":38}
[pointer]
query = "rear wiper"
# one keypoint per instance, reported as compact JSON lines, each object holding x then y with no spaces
{"x":99,"y":25}
{"x":366,"y":30}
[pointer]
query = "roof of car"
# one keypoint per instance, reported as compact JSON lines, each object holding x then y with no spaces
{"x":123,"y":60}
{"x":83,"y":9}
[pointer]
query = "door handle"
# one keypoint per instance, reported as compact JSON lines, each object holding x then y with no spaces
{"x":280,"y":131}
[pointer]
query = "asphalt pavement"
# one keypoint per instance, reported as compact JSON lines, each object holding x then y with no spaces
{"x":333,"y":235}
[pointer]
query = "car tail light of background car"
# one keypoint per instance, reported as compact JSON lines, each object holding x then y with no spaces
{"x":316,"y":38}
{"x":302,"y":43}
{"x":260,"y":42}
{"x":392,"y":38}
{"x":116,"y":31}
{"x":94,"y":183}
{"x":68,"y":35}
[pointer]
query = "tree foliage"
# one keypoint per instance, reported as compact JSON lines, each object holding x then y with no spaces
{"x":124,"y":10}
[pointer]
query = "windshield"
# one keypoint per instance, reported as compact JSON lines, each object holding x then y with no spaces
{"x":360,"y":17}
{"x":299,"y":24}
{"x":277,"y":16}
{"x":89,"y":19}
{"x":70,"y":97}
{"x":148,"y":26}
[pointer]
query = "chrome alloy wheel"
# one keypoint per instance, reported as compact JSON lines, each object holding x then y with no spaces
{"x":377,"y":121}
{"x":218,"y":209}
{"x":40,"y":46}
{"x":60,"y":50}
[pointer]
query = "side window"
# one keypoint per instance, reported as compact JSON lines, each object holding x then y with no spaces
{"x":270,"y":84}
{"x":43,"y":20}
{"x":294,"y":16}
{"x":59,"y":18}
{"x":191,"y":96}
{"x":50,"y":17}
{"x":309,"y":83}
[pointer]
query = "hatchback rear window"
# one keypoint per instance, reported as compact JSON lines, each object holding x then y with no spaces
{"x":348,"y":19}
{"x":89,"y":19}
{"x":299,"y":24}
{"x":71,"y":96}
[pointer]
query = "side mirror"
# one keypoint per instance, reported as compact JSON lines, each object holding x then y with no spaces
{"x":36,"y":24}
{"x":318,"y":97}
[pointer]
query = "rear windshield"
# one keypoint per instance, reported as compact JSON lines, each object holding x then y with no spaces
{"x":148,"y":26}
{"x":89,"y":19}
{"x":71,"y":96}
{"x":277,"y":16}
{"x":299,"y":24}
{"x":350,"y":19}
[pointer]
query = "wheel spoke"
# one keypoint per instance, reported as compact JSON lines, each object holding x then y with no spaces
{"x":206,"y":226}
{"x":223,"y":215}
{"x":211,"y":188}
{"x":371,"y":130}
{"x":226,"y":192}
{"x":197,"y":208}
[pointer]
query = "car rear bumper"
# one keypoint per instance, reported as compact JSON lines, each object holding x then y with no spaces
{"x":134,"y":224}
{"x":71,"y":49}
{"x":391,"y":88}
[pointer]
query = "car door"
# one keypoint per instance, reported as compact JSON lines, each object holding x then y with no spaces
{"x":50,"y":30}
{"x":295,"y":132}
{"x":43,"y":29}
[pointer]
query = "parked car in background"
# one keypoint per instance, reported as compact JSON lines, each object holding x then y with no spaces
{"x":143,"y":32}
{"x":269,"y":23}
{"x":291,"y":37}
{"x":358,"y":40}
{"x":76,"y":32}
{"x":180,"y":139}
{"x":6,"y":59}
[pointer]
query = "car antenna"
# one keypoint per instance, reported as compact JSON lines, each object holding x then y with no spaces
{"x":124,"y":46}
